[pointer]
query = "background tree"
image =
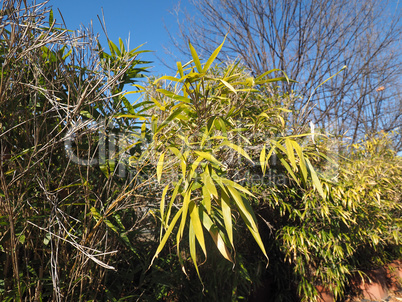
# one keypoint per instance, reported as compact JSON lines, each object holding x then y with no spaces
{"x":311,"y":40}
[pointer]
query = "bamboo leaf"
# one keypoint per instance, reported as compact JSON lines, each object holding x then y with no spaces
{"x":209,"y":157}
{"x":180,"y":69}
{"x":248,"y":216}
{"x":316,"y":181}
{"x":123,"y":50}
{"x":213,"y":57}
{"x":209,"y":185}
{"x":162,"y":205}
{"x":302,"y":163}
{"x":266,"y":73}
{"x":166,"y":236}
{"x":262,"y":160}
{"x":170,"y":78}
{"x":289,"y":169}
{"x":227,"y":215}
{"x":174,"y":96}
{"x":195,"y":58}
{"x":290,"y":153}
{"x":231,"y":88}
{"x":213,"y":231}
{"x":236,"y":186}
{"x":114,"y":49}
{"x":206,"y":201}
{"x":159,"y":167}
{"x":197,"y":226}
{"x":174,"y":194}
{"x":193,"y":251}
{"x":236,"y":148}
{"x":194,"y":166}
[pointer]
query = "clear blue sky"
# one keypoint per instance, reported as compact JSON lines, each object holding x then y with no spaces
{"x":143,"y":20}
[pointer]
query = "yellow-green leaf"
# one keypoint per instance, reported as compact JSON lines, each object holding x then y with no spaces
{"x":213,"y":231}
{"x":162,"y":205}
{"x":159,"y":167}
{"x":208,"y":156}
{"x":302,"y":163}
{"x":314,"y":177}
{"x":213,"y":57}
{"x":290,"y":153}
{"x":196,"y":223}
{"x":262,"y":160}
{"x":193,"y":250}
{"x":231,"y":88}
{"x":236,"y":148}
{"x":180,"y":69}
{"x":166,"y":235}
{"x":227,"y":215}
{"x":196,"y":59}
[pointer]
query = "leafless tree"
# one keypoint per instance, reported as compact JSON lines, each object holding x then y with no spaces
{"x":312,"y":40}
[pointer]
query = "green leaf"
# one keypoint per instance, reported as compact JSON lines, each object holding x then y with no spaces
{"x":262,"y":160}
{"x":290,"y":153}
{"x":159,"y":167}
{"x":289,"y":169}
{"x":231,"y":88}
{"x":179,"y":235}
{"x":213,"y":231}
{"x":213,"y":57}
{"x":67,"y":54}
{"x":51,"y":19}
{"x":194,"y":166}
{"x":174,"y":194}
{"x":21,"y":239}
{"x":47,"y":239}
{"x":209,"y":157}
{"x":227,"y":215}
{"x":174,"y":96}
{"x":166,"y":235}
{"x":236,"y":148}
{"x":266,"y":73}
{"x":316,"y":181}
{"x":193,"y":251}
{"x":170,"y":78}
{"x":195,"y":58}
{"x":180,"y":69}
{"x":249,"y":219}
{"x":197,"y":226}
{"x":86,"y":114}
{"x":114,"y":49}
{"x":206,"y":201}
{"x":121,"y":44}
{"x":162,"y":205}
{"x":302,"y":163}
{"x":236,"y":186}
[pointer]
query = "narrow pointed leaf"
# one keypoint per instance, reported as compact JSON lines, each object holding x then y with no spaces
{"x":227,"y":215}
{"x":213,"y":57}
{"x":262,"y":160}
{"x":197,"y":226}
{"x":209,"y":157}
{"x":213,"y":231}
{"x":315,"y":179}
{"x":166,"y":235}
{"x":159,"y":167}
{"x":236,"y":148}
{"x":193,"y":250}
{"x":231,"y":88}
{"x":290,"y":153}
{"x":195,"y":58}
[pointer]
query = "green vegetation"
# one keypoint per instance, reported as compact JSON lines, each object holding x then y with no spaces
{"x":201,"y":190}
